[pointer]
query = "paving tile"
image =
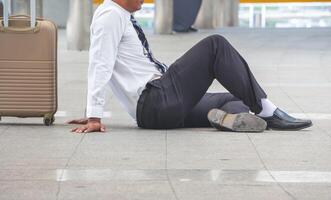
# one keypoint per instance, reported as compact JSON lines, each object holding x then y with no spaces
{"x":211,"y":149}
{"x":36,"y":146}
{"x":28,"y":190}
{"x":201,"y":191}
{"x":309,"y":191}
{"x":295,"y":151}
{"x":126,"y":162}
{"x":119,"y":150}
{"x":150,"y":190}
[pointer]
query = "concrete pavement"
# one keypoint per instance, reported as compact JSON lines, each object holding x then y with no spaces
{"x":293,"y":65}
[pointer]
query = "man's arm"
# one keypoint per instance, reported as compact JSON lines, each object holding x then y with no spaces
{"x":106,"y":34}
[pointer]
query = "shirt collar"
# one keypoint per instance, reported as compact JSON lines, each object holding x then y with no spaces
{"x":120,"y":7}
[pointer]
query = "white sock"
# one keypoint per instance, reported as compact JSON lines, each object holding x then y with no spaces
{"x":268,"y":108}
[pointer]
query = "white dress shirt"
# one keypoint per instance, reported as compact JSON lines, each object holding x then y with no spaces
{"x":116,"y":59}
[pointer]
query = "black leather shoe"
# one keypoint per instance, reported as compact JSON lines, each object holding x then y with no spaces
{"x":189,"y":30}
{"x":282,"y":121}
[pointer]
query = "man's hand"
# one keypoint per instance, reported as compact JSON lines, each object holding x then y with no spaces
{"x":78,"y":121}
{"x":90,"y":125}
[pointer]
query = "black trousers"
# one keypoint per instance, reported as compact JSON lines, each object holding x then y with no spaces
{"x":179,"y":99}
{"x":185,"y":13}
{"x":1,"y":9}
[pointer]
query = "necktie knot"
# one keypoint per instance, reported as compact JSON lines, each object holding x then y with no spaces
{"x":133,"y":20}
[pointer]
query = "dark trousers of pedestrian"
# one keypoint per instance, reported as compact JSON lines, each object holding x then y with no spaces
{"x":179,"y":99}
{"x":185,"y":13}
{"x":1,"y":9}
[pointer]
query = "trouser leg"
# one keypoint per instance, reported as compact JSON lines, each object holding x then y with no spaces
{"x":175,"y":94}
{"x":224,"y":101}
{"x":185,"y":13}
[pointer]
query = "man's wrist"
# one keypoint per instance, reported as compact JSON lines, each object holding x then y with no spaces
{"x":94,"y":119}
{"x":94,"y":111}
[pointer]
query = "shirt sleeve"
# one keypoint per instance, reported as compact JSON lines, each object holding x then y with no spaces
{"x":106,"y":33}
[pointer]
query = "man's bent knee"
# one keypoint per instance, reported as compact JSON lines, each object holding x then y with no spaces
{"x":218,"y":38}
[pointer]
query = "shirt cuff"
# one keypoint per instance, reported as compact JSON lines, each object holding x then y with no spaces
{"x":94,"y":111}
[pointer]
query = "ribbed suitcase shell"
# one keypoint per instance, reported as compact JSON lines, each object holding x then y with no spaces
{"x":28,"y":71}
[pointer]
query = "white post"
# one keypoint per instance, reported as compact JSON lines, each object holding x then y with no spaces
{"x":23,"y":7}
{"x":233,"y":12}
{"x":263,"y":16}
{"x":206,"y":17}
{"x":164,"y":12}
{"x":33,"y":13}
{"x":257,"y":19}
{"x":78,"y":25}
{"x":251,"y":16}
{"x":218,"y":13}
{"x":5,"y":13}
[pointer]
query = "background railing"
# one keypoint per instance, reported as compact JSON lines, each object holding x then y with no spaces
{"x":264,"y":13}
{"x":249,"y":1}
{"x":281,"y":1}
{"x":253,"y":1}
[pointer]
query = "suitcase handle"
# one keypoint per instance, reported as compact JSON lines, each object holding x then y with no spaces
{"x":32,"y":13}
{"x":19,"y":24}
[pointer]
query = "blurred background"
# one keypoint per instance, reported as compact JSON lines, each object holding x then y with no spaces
{"x":287,"y":44}
{"x":159,"y":15}
{"x":267,"y":13}
{"x":251,"y":13}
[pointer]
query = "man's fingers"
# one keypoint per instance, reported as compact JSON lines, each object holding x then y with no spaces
{"x":103,"y":128}
{"x":90,"y":129}
{"x":74,"y":129}
{"x":80,"y":129}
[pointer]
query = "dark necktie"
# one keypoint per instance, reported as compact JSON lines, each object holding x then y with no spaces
{"x":160,"y":66}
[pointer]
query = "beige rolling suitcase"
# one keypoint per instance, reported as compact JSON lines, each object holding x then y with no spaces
{"x":28,"y":66}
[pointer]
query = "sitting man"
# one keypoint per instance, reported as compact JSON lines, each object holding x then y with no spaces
{"x":159,"y":97}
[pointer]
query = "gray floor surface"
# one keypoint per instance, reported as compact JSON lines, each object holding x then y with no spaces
{"x":292,"y":65}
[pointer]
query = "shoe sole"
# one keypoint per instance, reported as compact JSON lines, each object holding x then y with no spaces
{"x":241,"y":122}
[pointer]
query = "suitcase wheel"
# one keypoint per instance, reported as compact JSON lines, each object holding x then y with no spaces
{"x":49,"y":120}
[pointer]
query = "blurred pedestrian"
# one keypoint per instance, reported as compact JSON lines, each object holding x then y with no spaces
{"x":1,"y":9}
{"x":185,"y":13}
